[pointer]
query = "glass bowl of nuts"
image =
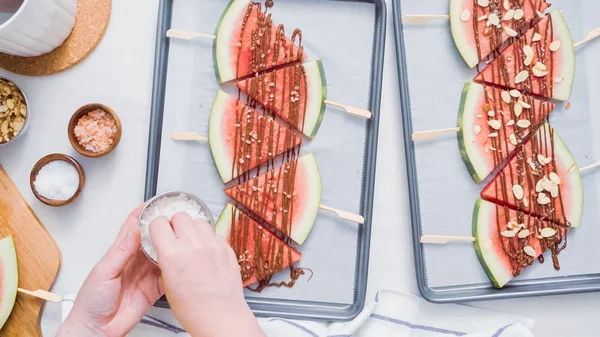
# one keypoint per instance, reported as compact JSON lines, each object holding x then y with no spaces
{"x":14,"y":111}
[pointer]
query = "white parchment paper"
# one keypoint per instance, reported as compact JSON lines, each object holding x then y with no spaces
{"x":341,"y":35}
{"x":437,"y":74}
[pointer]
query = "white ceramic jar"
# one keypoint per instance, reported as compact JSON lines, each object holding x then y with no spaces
{"x":37,"y":27}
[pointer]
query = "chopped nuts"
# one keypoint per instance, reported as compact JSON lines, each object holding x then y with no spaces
{"x":555,"y":45}
{"x":522,"y":76}
{"x":548,"y":232}
{"x":529,"y":251}
{"x":13,"y":111}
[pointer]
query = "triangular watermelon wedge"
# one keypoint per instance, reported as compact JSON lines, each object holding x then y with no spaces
{"x":508,"y":241}
{"x":241,"y":138}
{"x":493,"y":122}
{"x":541,"y":179}
{"x":481,"y":27}
{"x":260,"y":254}
{"x":541,"y":62}
{"x":296,"y":93}
{"x":247,"y":41}
{"x":9,"y":280}
{"x":287,"y":197}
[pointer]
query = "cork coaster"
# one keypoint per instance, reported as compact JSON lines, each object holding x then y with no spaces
{"x":92,"y":20}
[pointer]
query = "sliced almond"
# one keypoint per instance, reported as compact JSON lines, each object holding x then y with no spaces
{"x":518,"y":191}
{"x":558,"y":79}
{"x":477,"y":129}
{"x":465,"y":15}
{"x":523,"y":123}
{"x":508,"y":234}
{"x":540,"y":14}
{"x":483,"y":3}
{"x":526,"y":202}
{"x":493,"y":19}
{"x":483,"y":17}
{"x":532,"y":165}
{"x":528,"y":60}
{"x":513,"y":139}
{"x":506,"y":4}
{"x":548,"y":232}
{"x":525,"y":105}
{"x":491,"y":113}
{"x":513,"y":226}
{"x":479,"y":116}
{"x":536,"y":37}
{"x":524,"y":233}
{"x":554,"y":178}
{"x":537,"y":72}
{"x":529,"y":251}
{"x":509,"y":15}
{"x":505,"y":96}
{"x":493,"y":135}
{"x":555,"y":45}
{"x":510,"y":123}
{"x":515,"y":93}
{"x":527,"y":50}
{"x":495,"y":124}
{"x":510,"y":32}
{"x":543,"y":199}
{"x":538,"y":187}
{"x":547,"y":184}
{"x":541,"y":159}
{"x":519,"y":14}
{"x":518,"y":109}
{"x":548,"y":160}
{"x":554,"y":191}
{"x":522,"y":76}
{"x":540,"y":65}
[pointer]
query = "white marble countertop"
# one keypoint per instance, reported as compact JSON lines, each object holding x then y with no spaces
{"x":119,"y":74}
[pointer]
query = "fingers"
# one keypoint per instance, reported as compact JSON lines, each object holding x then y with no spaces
{"x":184,"y":226}
{"x":123,"y":250}
{"x":162,"y":235}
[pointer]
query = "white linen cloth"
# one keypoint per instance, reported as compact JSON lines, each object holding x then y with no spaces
{"x":390,"y":313}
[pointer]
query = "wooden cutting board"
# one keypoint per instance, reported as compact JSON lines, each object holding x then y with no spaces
{"x":38,"y":258}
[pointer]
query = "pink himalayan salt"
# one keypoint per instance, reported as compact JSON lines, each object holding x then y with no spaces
{"x":96,"y":131}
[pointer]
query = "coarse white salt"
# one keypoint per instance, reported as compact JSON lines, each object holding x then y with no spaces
{"x":57,"y":180}
{"x":167,"y":206}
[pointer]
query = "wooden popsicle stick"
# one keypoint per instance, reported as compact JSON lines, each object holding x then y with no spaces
{"x":45,"y":295}
{"x":351,"y":110}
{"x":345,"y":215}
{"x":188,"y":136}
{"x":424,"y":18}
{"x":424,"y":135}
{"x":589,"y":167}
{"x":184,"y":35}
{"x":443,"y":239}
{"x":591,"y":35}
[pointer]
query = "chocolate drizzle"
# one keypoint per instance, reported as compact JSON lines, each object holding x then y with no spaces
{"x":279,"y":92}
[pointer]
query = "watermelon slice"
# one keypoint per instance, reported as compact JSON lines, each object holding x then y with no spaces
{"x":541,"y":62}
{"x":10,"y":278}
{"x":287,"y":197}
{"x":507,"y":241}
{"x":479,"y":30}
{"x":247,"y":41}
{"x":541,"y":179}
{"x":260,"y":254}
{"x":296,"y":93}
{"x":491,"y":125}
{"x":241,"y":138}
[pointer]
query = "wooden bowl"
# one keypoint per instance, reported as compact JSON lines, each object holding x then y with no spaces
{"x":73,"y":122}
{"x":50,"y":158}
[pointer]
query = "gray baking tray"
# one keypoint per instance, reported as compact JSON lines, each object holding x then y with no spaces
{"x":452,"y":273}
{"x":340,"y":295}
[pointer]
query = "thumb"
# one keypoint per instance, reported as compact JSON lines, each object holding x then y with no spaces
{"x":126,"y":247}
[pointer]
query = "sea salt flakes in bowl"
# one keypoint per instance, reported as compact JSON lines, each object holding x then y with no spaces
{"x":168,"y":204}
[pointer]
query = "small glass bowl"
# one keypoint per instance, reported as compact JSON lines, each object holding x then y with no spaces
{"x":146,"y":240}
{"x":26,"y":125}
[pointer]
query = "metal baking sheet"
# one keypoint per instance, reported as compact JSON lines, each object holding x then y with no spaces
{"x":432,"y":75}
{"x":184,"y":87}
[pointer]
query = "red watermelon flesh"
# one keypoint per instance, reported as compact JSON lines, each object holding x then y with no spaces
{"x":287,"y":197}
{"x":541,"y":179}
{"x":541,"y":62}
{"x":508,"y":241}
{"x":492,"y":124}
{"x":242,"y":139}
{"x":260,"y":254}
{"x":473,"y":30}
{"x":255,"y":43}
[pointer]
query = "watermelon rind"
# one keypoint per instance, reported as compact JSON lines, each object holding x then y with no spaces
{"x":461,"y":40}
{"x":566,"y":55}
{"x":222,"y":45}
{"x":223,"y":161}
{"x":10,"y":278}
{"x":476,"y":165}
{"x":316,"y":86}
{"x":223,"y":226}
{"x":303,"y":225}
{"x":489,"y":259}
{"x":574,"y":211}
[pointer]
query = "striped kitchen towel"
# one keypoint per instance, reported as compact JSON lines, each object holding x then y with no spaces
{"x":390,"y":313}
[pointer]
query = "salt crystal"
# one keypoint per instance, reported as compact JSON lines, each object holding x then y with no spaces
{"x":57,"y":180}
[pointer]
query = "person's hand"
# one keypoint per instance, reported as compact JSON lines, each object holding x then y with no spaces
{"x":118,"y":291}
{"x":202,"y":278}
